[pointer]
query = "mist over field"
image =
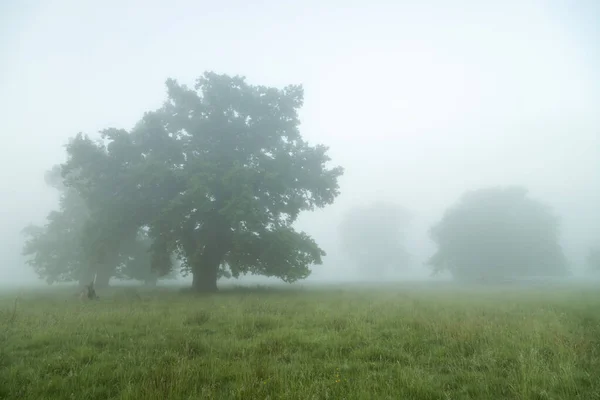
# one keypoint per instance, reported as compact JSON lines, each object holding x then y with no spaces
{"x":418,"y":103}
{"x":321,"y":200}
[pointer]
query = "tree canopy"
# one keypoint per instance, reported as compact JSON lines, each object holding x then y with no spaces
{"x":216,"y":176}
{"x":53,"y":249}
{"x":498,"y":233}
{"x":372,"y":237}
{"x":57,"y":253}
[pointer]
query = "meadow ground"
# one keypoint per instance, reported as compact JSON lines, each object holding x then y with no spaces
{"x":394,"y":342}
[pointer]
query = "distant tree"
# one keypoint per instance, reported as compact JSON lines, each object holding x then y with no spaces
{"x":218,"y":175}
{"x":372,"y":237}
{"x":593,"y":259}
{"x":56,"y":250}
{"x":498,"y":233}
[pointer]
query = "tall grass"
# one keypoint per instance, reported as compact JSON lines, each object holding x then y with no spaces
{"x":405,"y":342}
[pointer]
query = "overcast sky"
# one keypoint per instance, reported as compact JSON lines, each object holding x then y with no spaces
{"x":418,"y":100}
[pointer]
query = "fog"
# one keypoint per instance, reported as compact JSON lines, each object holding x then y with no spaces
{"x":418,"y":101}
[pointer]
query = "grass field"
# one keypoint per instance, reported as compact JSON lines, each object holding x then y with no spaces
{"x":403,"y":342}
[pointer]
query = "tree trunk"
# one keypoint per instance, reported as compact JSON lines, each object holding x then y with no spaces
{"x":205,"y":278}
{"x":216,"y":239}
{"x":206,"y":269}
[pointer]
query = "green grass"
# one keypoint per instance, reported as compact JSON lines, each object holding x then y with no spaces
{"x":404,"y":342}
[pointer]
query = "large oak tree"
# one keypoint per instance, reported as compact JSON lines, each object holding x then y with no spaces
{"x":218,"y":175}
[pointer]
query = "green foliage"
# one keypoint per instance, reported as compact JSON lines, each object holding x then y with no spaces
{"x":54,"y":250}
{"x":498,"y":233}
{"x":136,"y":259}
{"x":59,"y":250}
{"x":218,"y":174}
{"x":372,"y":237}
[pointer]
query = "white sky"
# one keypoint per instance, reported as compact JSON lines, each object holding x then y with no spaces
{"x":419,"y":101}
